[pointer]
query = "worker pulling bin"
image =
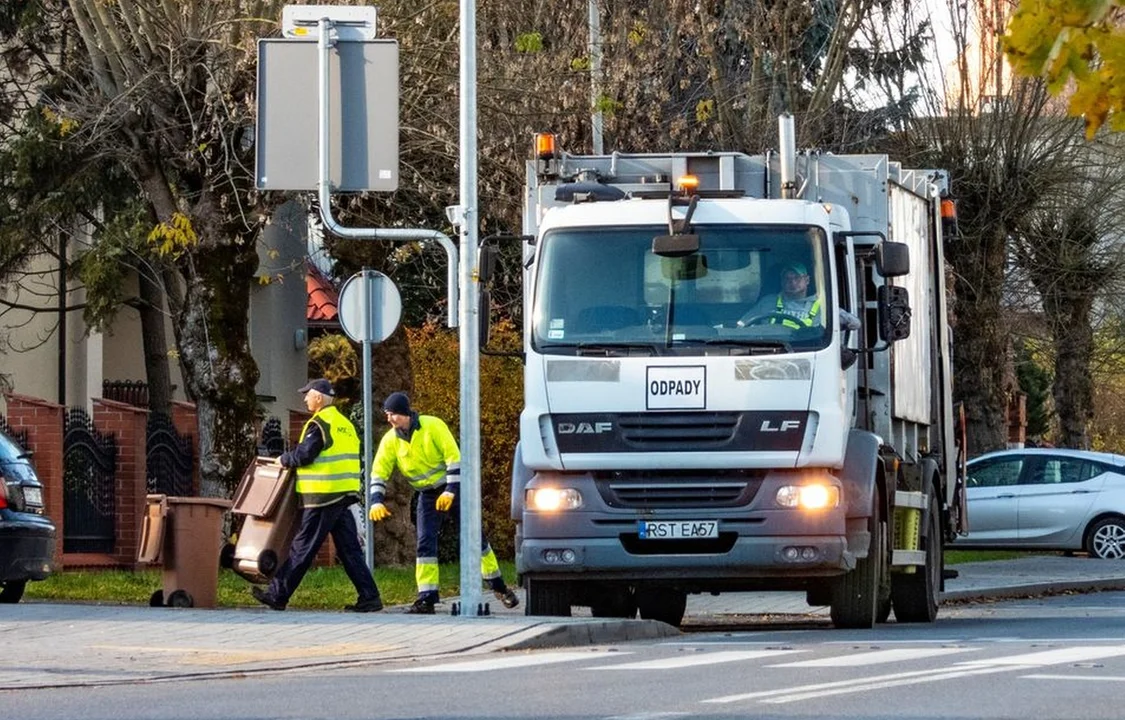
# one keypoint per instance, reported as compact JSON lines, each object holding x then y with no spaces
{"x":184,"y":533}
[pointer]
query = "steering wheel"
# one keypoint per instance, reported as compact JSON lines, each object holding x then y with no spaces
{"x":765,"y":318}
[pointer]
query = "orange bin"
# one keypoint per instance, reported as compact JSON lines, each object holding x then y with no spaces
{"x":185,"y":535}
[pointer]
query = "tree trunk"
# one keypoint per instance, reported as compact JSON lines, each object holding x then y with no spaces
{"x":1074,"y":385}
{"x":154,"y":340}
{"x":221,"y":373}
{"x":980,"y":340}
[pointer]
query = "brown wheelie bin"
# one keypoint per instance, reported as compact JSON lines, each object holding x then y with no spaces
{"x":185,"y":534}
{"x":267,"y":500}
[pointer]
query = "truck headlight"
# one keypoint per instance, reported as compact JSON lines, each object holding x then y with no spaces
{"x":813,"y":496}
{"x":548,"y":499}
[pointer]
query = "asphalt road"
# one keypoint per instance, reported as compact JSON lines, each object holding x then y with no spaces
{"x":1061,"y":656}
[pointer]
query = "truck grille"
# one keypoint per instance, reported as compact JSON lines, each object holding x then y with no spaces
{"x":644,"y":490}
{"x":696,"y":430}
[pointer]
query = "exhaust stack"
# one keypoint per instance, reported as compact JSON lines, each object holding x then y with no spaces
{"x":787,"y":136}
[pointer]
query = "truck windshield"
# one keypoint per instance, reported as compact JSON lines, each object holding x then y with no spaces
{"x":749,"y":289}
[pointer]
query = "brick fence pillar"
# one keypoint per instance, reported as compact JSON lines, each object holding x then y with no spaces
{"x":128,"y":424}
{"x":43,"y":422}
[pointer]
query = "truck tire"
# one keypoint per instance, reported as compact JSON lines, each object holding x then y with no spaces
{"x":915,"y":595}
{"x":613,"y":602}
{"x":664,"y":604}
{"x":12,"y":590}
{"x":855,"y":596}
{"x":548,"y":597}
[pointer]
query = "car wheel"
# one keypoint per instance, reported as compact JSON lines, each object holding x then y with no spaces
{"x":12,"y":591}
{"x":1106,"y":539}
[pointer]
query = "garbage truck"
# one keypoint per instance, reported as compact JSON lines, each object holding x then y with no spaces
{"x":737,"y":376}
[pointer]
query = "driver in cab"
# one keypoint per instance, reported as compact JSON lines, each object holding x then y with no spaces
{"x":793,"y":307}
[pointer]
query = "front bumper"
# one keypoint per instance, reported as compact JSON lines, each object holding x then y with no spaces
{"x":27,"y":547}
{"x":748,"y":559}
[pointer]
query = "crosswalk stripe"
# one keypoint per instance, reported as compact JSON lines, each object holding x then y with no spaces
{"x":1057,"y":656}
{"x":508,"y":661}
{"x":684,"y":661}
{"x":874,"y":657}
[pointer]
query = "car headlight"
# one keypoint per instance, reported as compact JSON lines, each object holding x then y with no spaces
{"x":813,"y":496}
{"x":548,"y":499}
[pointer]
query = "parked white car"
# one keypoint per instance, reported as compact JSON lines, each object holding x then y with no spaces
{"x":1047,"y":499}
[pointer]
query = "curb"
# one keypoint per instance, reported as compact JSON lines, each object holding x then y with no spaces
{"x":597,"y":632}
{"x":1032,"y":589}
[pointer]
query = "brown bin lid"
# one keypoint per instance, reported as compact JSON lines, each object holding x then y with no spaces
{"x":263,"y":485}
{"x":217,"y":502}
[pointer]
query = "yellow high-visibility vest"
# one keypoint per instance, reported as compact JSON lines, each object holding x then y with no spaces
{"x":335,"y":472}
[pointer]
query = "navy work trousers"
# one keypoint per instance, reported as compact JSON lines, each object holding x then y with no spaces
{"x":316,"y":525}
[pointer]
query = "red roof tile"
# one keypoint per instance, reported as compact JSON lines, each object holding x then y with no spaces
{"x":323,"y":297}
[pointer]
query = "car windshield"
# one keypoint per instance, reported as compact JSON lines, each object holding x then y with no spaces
{"x":748,"y":289}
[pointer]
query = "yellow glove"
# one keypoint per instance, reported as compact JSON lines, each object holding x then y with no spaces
{"x":445,"y":501}
{"x":378,"y":512}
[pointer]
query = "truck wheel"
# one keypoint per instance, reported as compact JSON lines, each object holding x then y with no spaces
{"x":156,"y":599}
{"x":613,"y":602}
{"x":915,"y":595}
{"x":855,"y":596}
{"x":548,"y":597}
{"x":12,"y":590}
{"x":664,"y":604}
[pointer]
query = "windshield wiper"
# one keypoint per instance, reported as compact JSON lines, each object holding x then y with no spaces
{"x":615,"y":348}
{"x":601,"y":349}
{"x":754,"y":347}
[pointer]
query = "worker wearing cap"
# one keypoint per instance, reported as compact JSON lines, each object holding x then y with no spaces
{"x":329,"y":477}
{"x":793,"y":307}
{"x":424,"y":451}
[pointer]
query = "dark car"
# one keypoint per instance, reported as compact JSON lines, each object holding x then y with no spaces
{"x":27,"y":536}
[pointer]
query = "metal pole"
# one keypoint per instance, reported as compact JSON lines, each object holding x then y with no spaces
{"x":595,"y":41}
{"x":470,"y":352}
{"x":324,"y":184}
{"x":368,"y":450}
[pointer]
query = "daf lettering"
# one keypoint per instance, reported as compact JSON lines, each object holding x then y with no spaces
{"x":785,"y":426}
{"x":584,"y":428}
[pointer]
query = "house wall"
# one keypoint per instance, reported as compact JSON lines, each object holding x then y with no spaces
{"x":31,"y":347}
{"x":278,"y":309}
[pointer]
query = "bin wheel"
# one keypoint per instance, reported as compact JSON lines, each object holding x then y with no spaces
{"x":267,"y":563}
{"x":180,"y":599}
{"x":156,"y":599}
{"x":226,"y":556}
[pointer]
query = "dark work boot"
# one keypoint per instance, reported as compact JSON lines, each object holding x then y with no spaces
{"x":507,"y":597}
{"x":374,"y":604}
{"x":264,"y":597}
{"x":421,"y":606}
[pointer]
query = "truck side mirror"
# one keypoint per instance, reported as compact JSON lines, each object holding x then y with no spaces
{"x":484,"y":308}
{"x":894,"y":313}
{"x":892,"y":259}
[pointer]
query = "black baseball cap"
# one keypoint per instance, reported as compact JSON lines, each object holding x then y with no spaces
{"x":321,"y":385}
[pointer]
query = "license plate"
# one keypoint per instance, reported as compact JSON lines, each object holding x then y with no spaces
{"x":678,"y":529}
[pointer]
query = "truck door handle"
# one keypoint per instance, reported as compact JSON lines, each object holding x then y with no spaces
{"x":1081,"y":492}
{"x":1005,"y":496}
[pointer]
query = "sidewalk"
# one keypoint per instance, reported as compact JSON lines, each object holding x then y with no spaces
{"x":52,"y":645}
